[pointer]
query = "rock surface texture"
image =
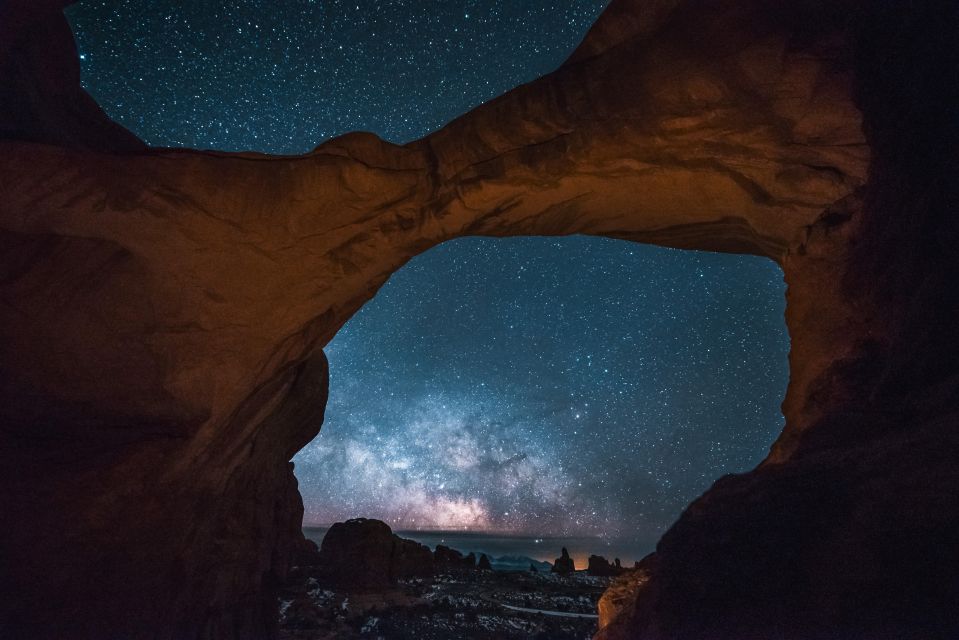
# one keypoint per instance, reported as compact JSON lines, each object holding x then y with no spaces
{"x":164,"y":314}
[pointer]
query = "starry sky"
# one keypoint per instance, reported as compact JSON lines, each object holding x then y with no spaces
{"x":562,"y":386}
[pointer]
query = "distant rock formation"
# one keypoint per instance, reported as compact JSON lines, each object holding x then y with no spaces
{"x":484,"y":564}
{"x":365,"y":555}
{"x":411,"y":559}
{"x":600,"y":566}
{"x":518,"y":563}
{"x":564,"y":564}
{"x":443,"y":555}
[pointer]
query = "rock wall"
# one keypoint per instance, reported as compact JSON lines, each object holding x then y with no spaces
{"x":165,"y":311}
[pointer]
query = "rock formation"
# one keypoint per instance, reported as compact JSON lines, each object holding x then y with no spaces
{"x":165,"y":312}
{"x":365,"y":555}
{"x":600,"y":566}
{"x":446,"y":556}
{"x":563,"y":564}
{"x":484,"y":563}
{"x":411,"y":559}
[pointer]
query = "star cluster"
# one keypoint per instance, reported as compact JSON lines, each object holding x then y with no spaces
{"x":575,"y":386}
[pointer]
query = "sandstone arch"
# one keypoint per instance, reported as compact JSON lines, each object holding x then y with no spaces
{"x":165,"y":311}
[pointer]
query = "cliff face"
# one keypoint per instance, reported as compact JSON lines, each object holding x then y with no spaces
{"x":165,"y":311}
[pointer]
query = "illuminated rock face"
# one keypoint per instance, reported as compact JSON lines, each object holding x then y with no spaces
{"x":165,"y":311}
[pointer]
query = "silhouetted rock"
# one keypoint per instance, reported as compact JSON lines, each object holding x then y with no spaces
{"x":533,"y":569}
{"x":357,"y":554}
{"x":599,"y":566}
{"x":564,"y":564}
{"x":363,"y":554}
{"x":484,"y":564}
{"x":452,"y":558}
{"x":41,"y":99}
{"x":411,"y":559}
{"x":446,"y":556}
{"x":305,"y":553}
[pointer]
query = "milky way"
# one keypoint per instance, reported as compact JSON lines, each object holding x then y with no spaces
{"x":548,"y":386}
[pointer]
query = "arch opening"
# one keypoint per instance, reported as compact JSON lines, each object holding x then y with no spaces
{"x":578,"y":389}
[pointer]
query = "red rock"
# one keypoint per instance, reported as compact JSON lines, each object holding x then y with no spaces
{"x":623,"y":592}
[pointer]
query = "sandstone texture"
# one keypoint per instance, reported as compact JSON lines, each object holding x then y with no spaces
{"x":622,"y":593}
{"x":164,"y":313}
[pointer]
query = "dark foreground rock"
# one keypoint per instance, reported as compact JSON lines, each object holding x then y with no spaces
{"x":365,"y":555}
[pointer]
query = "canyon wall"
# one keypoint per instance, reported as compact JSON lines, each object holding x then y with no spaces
{"x":165,"y":312}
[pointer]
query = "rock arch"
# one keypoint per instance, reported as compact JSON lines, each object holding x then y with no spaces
{"x":165,"y":310}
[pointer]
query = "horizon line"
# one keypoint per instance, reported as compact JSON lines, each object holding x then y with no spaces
{"x":502,"y":534}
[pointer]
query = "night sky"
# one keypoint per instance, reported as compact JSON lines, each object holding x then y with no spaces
{"x":561,"y":386}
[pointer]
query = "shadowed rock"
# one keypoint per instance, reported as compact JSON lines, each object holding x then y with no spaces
{"x":365,"y":555}
{"x":446,"y":556}
{"x":563,"y":564}
{"x":600,"y":566}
